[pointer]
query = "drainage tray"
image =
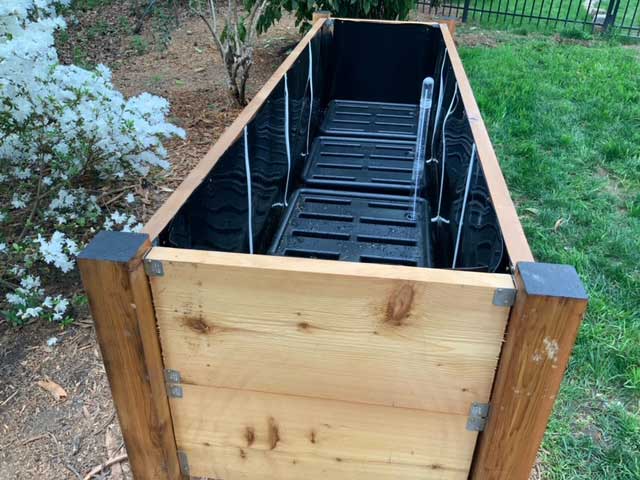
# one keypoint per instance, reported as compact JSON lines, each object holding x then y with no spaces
{"x":356,"y":227}
{"x":361,"y":164}
{"x":371,"y":119}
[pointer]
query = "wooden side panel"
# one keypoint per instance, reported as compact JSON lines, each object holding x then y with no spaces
{"x":283,"y":437}
{"x":120,"y":299}
{"x":542,"y":329}
{"x":512,"y":231}
{"x":398,"y":341}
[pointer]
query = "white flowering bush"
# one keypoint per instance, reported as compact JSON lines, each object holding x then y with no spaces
{"x":65,"y":133}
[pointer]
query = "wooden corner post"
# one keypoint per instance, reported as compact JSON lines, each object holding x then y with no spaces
{"x":113,"y":274}
{"x":543,"y":325}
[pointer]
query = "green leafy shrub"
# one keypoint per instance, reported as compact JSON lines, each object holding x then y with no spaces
{"x":377,"y":9}
{"x":576,"y":33}
{"x":139,"y":44}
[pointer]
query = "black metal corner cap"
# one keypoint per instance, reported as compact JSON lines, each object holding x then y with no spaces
{"x":114,"y":246}
{"x":551,"y":280}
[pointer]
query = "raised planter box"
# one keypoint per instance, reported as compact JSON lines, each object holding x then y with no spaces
{"x":228,"y":365}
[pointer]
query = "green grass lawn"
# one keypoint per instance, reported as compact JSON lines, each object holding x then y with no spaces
{"x":556,"y":15}
{"x":554,"y":9}
{"x":565,"y":121}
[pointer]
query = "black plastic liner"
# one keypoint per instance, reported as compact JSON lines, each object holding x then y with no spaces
{"x":216,"y":216}
{"x":356,"y":227}
{"x":358,"y":164}
{"x":352,"y":61}
{"x":382,"y":62}
{"x":371,"y":119}
{"x":481,"y":246}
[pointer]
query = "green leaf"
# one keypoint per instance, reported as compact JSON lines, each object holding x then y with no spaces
{"x":242,"y":30}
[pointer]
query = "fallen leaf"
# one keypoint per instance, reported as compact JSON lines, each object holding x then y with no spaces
{"x":53,"y":388}
{"x":560,"y":222}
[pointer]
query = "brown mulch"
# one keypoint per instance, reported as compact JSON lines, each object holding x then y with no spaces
{"x":42,"y":437}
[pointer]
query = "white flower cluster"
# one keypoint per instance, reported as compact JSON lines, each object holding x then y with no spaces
{"x":69,"y":206}
{"x":28,"y":302}
{"x":59,"y":251}
{"x":60,"y":124}
{"x":124,"y":222}
{"x":64,"y":117}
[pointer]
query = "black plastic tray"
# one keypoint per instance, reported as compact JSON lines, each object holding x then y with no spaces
{"x":356,"y":227}
{"x":361,"y":164}
{"x":371,"y":119}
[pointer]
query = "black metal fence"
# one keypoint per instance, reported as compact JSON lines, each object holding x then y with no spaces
{"x":621,"y":17}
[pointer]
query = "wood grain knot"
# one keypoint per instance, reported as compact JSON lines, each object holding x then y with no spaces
{"x":250,"y":436}
{"x":274,"y":434}
{"x":197,"y":324}
{"x":399,"y":305}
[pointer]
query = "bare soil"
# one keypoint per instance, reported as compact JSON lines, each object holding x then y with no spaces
{"x":42,"y":437}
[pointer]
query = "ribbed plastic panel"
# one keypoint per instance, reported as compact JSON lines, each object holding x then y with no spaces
{"x":371,"y":119}
{"x":361,"y":164}
{"x":357,"y":227}
{"x":481,"y":244}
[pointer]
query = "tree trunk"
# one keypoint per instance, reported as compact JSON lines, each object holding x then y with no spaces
{"x":244,"y":76}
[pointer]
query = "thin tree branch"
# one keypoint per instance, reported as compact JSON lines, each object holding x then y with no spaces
{"x":106,"y":464}
{"x":33,"y":209}
{"x":212,"y":9}
{"x":8,"y":284}
{"x":254,"y":17}
{"x":212,"y":30}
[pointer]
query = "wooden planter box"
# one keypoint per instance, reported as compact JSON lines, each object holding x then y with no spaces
{"x":235,"y":366}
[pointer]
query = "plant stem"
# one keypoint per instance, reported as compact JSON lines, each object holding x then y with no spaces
{"x":33,"y":208}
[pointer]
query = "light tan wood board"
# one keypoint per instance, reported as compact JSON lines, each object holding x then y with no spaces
{"x":398,"y":340}
{"x":230,"y":434}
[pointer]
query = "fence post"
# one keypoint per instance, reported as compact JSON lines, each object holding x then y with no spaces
{"x":544,"y":321}
{"x":465,"y":11}
{"x":612,"y":13}
{"x":120,"y":298}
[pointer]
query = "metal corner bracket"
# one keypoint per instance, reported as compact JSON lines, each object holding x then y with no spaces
{"x":504,"y":297}
{"x":174,"y":391}
{"x":172,"y":376}
{"x":172,"y":379}
{"x":153,"y":268}
{"x":183,"y":460}
{"x":478,"y":414}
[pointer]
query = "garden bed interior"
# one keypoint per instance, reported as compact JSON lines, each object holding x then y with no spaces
{"x":360,"y":339}
{"x":354,"y":145}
